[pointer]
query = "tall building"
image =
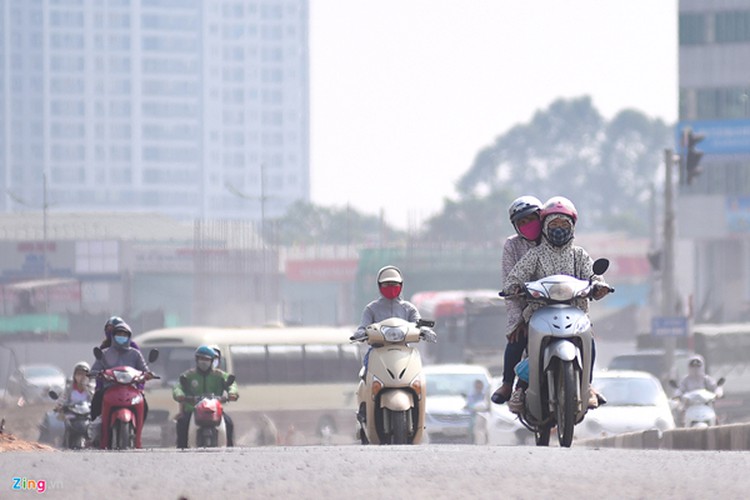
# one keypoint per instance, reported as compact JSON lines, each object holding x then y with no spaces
{"x":197,"y":109}
{"x":714,"y":209}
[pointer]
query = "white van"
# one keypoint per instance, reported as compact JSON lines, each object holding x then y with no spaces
{"x":296,"y":384}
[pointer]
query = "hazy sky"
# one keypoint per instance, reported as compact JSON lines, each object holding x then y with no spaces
{"x":404,"y":93}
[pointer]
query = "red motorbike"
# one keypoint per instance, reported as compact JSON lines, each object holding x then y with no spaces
{"x":208,"y":418}
{"x":123,"y":405}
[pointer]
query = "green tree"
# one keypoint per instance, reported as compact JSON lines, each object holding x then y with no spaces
{"x":569,"y":149}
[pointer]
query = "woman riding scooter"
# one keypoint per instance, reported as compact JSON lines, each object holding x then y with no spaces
{"x":388,"y":305}
{"x":556,"y":254}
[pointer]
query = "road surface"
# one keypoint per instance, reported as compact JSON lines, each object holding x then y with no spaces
{"x":357,"y":472}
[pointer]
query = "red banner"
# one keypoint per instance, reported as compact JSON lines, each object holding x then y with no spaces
{"x":343,"y":270}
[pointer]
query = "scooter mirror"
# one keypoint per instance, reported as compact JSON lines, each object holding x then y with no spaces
{"x":230,"y":380}
{"x":425,"y":322}
{"x":98,"y":353}
{"x":673,"y":384}
{"x":601,"y":266}
{"x":53,"y":395}
{"x":721,"y":381}
{"x":153,"y":355}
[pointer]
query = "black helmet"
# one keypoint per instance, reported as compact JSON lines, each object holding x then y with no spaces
{"x":111,"y":322}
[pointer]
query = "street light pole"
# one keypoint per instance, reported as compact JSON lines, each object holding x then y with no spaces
{"x":233,"y":189}
{"x":668,"y":252}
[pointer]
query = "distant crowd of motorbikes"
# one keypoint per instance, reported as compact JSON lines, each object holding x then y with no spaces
{"x":392,"y":388}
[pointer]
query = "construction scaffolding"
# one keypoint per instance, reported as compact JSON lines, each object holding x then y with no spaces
{"x":236,"y":274}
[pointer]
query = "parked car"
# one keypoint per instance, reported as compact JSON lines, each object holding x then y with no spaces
{"x":635,"y":402}
{"x":33,"y":382}
{"x":452,"y":413}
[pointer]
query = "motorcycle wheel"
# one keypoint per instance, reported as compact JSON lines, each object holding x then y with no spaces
{"x":542,"y":436}
{"x":400,"y":427}
{"x":78,"y":443}
{"x":124,"y":434}
{"x":566,"y":404}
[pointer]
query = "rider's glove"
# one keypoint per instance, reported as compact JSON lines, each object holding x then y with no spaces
{"x":428,"y":335}
{"x":180,"y":398}
{"x":599,"y":291}
{"x":513,"y":290}
{"x":233,"y":397}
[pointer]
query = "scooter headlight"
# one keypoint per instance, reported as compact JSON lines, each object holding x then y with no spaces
{"x":123,"y":377}
{"x":561,"y":292}
{"x":136,"y":400}
{"x":394,"y":333}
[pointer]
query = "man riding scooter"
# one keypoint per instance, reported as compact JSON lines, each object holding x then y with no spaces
{"x":120,"y":354}
{"x":203,"y":379}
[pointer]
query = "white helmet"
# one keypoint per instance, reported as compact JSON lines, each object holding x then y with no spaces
{"x":523,"y":206}
{"x":83,"y":366}
{"x":390,"y":274}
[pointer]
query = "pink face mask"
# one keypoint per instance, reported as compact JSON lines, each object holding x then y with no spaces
{"x":390,"y":291}
{"x":531,"y":230}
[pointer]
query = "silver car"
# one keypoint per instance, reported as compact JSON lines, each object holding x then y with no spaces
{"x":457,"y":404}
{"x":635,"y":402}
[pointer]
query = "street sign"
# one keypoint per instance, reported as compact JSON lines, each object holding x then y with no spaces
{"x":669,"y":326}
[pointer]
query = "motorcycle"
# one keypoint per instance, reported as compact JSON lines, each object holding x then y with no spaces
{"x":391,"y":392}
{"x":77,"y":419}
{"x":123,"y":405}
{"x":559,"y":355}
{"x":697,"y":407}
{"x":208,"y":417}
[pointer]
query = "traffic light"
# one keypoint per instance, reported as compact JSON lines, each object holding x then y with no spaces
{"x":692,"y":155}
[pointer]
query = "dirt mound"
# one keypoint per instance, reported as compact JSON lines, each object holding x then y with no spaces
{"x":9,"y":442}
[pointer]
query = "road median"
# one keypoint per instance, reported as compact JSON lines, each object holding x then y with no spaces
{"x":722,"y":437}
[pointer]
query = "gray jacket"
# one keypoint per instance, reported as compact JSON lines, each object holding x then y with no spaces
{"x":382,"y":309}
{"x":119,"y":356}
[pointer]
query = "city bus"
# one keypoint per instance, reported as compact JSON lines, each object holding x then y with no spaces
{"x":470,"y":325}
{"x":296,"y":384}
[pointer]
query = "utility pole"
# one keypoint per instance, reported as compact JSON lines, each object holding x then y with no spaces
{"x":668,"y":256}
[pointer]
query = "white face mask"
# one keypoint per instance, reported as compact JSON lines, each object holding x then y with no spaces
{"x":204,"y":364}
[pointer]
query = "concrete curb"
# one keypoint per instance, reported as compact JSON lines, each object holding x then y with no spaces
{"x":723,"y":437}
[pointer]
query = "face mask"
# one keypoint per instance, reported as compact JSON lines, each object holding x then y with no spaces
{"x":559,"y":236}
{"x":531,"y":230}
{"x":204,"y":364}
{"x":390,"y":292}
{"x":121,"y":339}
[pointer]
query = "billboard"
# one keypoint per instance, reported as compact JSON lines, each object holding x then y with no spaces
{"x":728,"y":137}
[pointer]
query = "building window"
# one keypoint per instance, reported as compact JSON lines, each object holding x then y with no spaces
{"x":692,"y":29}
{"x":732,"y":26}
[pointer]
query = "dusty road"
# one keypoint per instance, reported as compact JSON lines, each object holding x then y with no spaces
{"x":434,"y":472}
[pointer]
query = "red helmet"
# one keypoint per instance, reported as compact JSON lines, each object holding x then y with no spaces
{"x":559,"y":205}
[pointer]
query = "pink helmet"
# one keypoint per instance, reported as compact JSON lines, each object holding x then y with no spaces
{"x":560,"y":205}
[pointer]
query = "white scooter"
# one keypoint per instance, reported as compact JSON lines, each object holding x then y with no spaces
{"x":391,"y":392}
{"x":697,"y":407}
{"x":559,"y":350}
